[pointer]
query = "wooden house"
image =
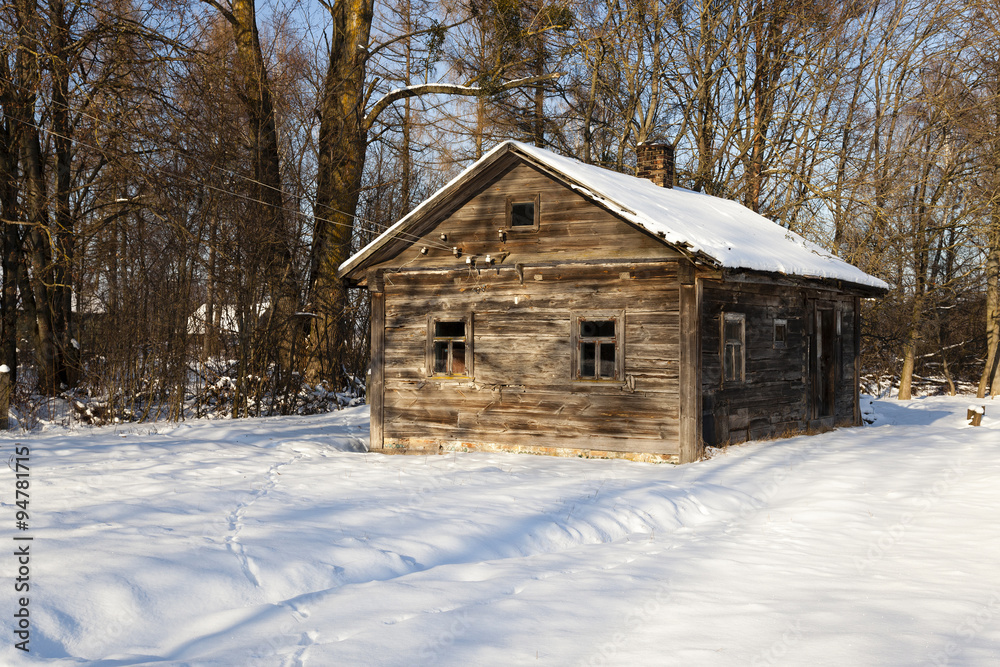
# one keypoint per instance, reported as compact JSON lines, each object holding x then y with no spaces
{"x":538,"y":304}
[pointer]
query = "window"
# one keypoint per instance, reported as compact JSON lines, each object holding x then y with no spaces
{"x":780,"y":333}
{"x":598,"y":352}
{"x":522,"y":215}
{"x":733,"y":355}
{"x":449,"y":350}
{"x":523,"y":212}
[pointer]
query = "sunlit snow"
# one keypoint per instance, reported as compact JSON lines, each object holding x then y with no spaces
{"x":281,"y":542}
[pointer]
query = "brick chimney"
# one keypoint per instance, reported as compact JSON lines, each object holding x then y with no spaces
{"x":655,"y":162}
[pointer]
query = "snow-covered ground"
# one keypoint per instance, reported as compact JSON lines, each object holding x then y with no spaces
{"x":281,"y":542}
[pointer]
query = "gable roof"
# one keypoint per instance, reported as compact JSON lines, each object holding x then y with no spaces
{"x":721,"y":231}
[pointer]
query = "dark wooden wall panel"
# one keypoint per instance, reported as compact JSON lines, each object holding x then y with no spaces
{"x":774,"y":398}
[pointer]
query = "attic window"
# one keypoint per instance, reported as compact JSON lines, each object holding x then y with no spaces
{"x":733,"y":347}
{"x":449,"y":350}
{"x":523,"y":213}
{"x":598,"y":348}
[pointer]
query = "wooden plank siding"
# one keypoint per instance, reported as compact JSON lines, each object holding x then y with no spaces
{"x":521,"y":309}
{"x":571,"y":228}
{"x":848,"y":405}
{"x":775,"y":397}
{"x":581,"y":260}
{"x":522,"y":392}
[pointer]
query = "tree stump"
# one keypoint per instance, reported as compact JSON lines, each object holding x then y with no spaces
{"x":975,"y":414}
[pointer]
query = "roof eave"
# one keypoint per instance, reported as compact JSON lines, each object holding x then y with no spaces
{"x":839,"y":284}
{"x":352,"y":269}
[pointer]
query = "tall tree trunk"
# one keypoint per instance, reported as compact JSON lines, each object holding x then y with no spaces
{"x":255,"y":89}
{"x":35,"y":198}
{"x":343,"y":139}
{"x":591,"y":106}
{"x":538,"y":122}
{"x":921,"y":259}
{"x":63,"y":232}
{"x":480,"y":126}
{"x":11,"y":241}
{"x":210,"y":340}
{"x":770,"y":42}
{"x":648,"y":126}
{"x":704,"y":116}
{"x":910,"y":347}
{"x":405,"y":151}
{"x":990,"y":379}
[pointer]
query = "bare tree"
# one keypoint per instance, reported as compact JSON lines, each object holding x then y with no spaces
{"x":254,"y":89}
{"x":986,"y":60}
{"x":347,"y":114}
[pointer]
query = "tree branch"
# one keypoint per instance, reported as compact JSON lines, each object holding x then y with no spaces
{"x":448,"y":89}
{"x":422,"y":31}
{"x":226,"y":13}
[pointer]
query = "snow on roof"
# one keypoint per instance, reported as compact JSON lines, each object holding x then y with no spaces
{"x":727,"y":232}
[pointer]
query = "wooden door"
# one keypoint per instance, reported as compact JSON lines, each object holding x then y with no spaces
{"x":823,"y":364}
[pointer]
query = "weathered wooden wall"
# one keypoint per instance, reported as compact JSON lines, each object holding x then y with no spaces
{"x":572,"y":228}
{"x":582,"y":260}
{"x":522,"y":392}
{"x":775,"y":396}
{"x":848,"y":411}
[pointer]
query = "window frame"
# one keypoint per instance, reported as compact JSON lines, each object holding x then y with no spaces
{"x":728,"y":316}
{"x":535,"y":200}
{"x":783,"y":341}
{"x":576,"y":341}
{"x":432,"y":321}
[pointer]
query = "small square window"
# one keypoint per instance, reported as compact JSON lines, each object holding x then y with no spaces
{"x":780,"y":333}
{"x":523,"y":213}
{"x":449,"y":349}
